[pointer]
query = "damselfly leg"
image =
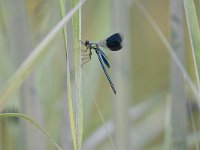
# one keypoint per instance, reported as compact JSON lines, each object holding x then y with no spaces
{"x":85,"y":59}
{"x":85,"y":56}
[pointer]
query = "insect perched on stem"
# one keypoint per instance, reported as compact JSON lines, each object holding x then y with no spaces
{"x":114,"y":43}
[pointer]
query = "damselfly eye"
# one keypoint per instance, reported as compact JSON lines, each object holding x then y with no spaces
{"x":87,"y":42}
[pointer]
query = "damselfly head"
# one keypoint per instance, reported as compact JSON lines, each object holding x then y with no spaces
{"x":87,"y":43}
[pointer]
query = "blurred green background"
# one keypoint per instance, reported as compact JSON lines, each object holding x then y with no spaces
{"x":141,"y":116}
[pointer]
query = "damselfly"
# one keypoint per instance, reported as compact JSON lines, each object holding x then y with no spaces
{"x":114,"y":43}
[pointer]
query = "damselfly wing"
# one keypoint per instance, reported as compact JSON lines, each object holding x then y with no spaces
{"x":114,"y":42}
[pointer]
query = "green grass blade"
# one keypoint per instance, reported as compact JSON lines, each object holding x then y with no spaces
{"x":194,"y":33}
{"x":69,"y":93}
{"x":35,"y":124}
{"x":76,"y":23}
{"x":71,"y":111}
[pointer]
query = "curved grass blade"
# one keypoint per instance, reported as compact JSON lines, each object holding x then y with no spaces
{"x":35,"y":124}
{"x":69,"y":92}
{"x":194,"y":34}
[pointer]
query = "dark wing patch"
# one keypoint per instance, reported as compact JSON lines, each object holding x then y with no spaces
{"x":114,"y":42}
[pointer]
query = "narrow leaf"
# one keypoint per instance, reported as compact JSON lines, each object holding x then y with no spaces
{"x":194,"y":33}
{"x":35,"y":124}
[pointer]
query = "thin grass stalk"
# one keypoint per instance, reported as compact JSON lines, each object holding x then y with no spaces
{"x":70,"y":101}
{"x":79,"y":85}
{"x":76,"y":23}
{"x":194,"y":34}
{"x":178,"y":97}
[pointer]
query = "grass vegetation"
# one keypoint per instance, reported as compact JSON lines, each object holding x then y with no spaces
{"x":48,"y":101}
